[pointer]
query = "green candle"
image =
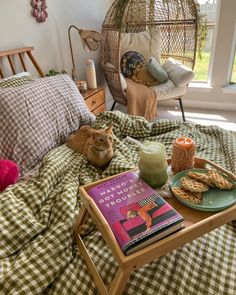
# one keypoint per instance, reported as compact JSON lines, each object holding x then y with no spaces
{"x":152,"y":164}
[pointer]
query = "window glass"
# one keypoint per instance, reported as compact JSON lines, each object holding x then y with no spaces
{"x":233,"y":77}
{"x":208,"y":12}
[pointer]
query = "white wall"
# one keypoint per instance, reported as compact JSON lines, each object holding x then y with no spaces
{"x":18,"y":28}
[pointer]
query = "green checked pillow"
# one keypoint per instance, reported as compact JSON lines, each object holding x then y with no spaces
{"x":156,"y":70}
{"x":16,"y":80}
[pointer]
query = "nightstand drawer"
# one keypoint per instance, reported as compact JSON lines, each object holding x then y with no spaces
{"x":101,"y":108}
{"x":95,"y":100}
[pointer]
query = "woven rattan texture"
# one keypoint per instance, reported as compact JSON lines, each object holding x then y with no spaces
{"x":176,"y":20}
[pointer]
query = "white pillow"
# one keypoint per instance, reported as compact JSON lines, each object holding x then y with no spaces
{"x":141,"y":43}
{"x":122,"y":79}
{"x":177,"y":72}
{"x":123,"y":83}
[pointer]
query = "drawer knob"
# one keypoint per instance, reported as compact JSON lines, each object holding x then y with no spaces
{"x":93,"y":102}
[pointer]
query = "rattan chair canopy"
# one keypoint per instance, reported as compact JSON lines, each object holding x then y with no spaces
{"x":176,"y":20}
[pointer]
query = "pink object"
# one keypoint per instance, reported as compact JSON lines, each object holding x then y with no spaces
{"x":9,"y":173}
{"x":39,"y":10}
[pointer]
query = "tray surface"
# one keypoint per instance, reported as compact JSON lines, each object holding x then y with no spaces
{"x":214,"y":199}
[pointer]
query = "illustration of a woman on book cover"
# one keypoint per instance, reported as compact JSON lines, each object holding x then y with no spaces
{"x":140,"y":217}
{"x":143,"y":212}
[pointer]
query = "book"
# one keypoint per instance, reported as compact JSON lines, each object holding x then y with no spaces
{"x":136,"y":214}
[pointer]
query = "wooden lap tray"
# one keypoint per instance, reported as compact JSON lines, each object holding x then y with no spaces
{"x":197,"y":223}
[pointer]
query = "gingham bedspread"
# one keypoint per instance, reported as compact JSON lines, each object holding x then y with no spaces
{"x":37,"y":255}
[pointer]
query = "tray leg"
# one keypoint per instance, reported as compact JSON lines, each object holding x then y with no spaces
{"x":122,"y":275}
{"x":85,"y":254}
{"x":91,"y":266}
{"x":80,"y":220}
{"x":118,"y":284}
{"x":234,"y":223}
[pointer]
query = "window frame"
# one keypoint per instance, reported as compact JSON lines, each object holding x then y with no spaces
{"x":231,"y":61}
{"x":212,"y":54}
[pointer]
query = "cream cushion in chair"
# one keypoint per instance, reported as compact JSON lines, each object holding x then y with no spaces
{"x":168,"y":90}
{"x":179,"y":77}
{"x":145,"y":43}
{"x":177,"y":72}
{"x":176,"y":86}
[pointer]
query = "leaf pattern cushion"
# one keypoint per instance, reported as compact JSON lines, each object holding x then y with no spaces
{"x":129,"y":61}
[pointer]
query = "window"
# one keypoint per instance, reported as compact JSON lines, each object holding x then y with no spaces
{"x":233,"y":77}
{"x":208,"y":11}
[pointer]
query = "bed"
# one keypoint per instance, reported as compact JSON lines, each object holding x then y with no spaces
{"x":37,"y":215}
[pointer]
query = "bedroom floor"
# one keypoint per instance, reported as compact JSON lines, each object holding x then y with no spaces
{"x":224,"y":119}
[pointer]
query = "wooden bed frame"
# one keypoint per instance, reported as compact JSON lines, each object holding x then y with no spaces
{"x":14,"y":55}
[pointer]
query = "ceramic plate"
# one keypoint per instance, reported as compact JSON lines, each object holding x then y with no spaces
{"x":213,"y":200}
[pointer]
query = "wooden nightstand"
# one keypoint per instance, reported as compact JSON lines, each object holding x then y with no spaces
{"x":95,"y":100}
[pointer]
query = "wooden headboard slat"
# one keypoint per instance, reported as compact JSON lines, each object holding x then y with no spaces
{"x":22,"y":61}
{"x":11,"y":65}
{"x":37,"y":67}
{"x":18,"y":52}
{"x":15,"y":51}
{"x":1,"y":74}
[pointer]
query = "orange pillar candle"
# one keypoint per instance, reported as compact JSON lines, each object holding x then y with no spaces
{"x":182,"y":154}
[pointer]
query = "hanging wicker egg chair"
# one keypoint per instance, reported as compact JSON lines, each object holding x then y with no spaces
{"x":176,"y":21}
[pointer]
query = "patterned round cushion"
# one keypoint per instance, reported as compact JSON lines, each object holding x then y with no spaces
{"x":129,"y":62}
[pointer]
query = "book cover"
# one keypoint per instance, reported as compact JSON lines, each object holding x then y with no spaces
{"x":137,"y":215}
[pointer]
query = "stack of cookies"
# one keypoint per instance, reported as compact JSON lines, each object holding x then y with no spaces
{"x":194,"y":184}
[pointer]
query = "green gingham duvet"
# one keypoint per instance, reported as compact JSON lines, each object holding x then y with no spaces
{"x":37,"y":255}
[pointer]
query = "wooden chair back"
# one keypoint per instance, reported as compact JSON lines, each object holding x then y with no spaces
{"x":13,"y":57}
